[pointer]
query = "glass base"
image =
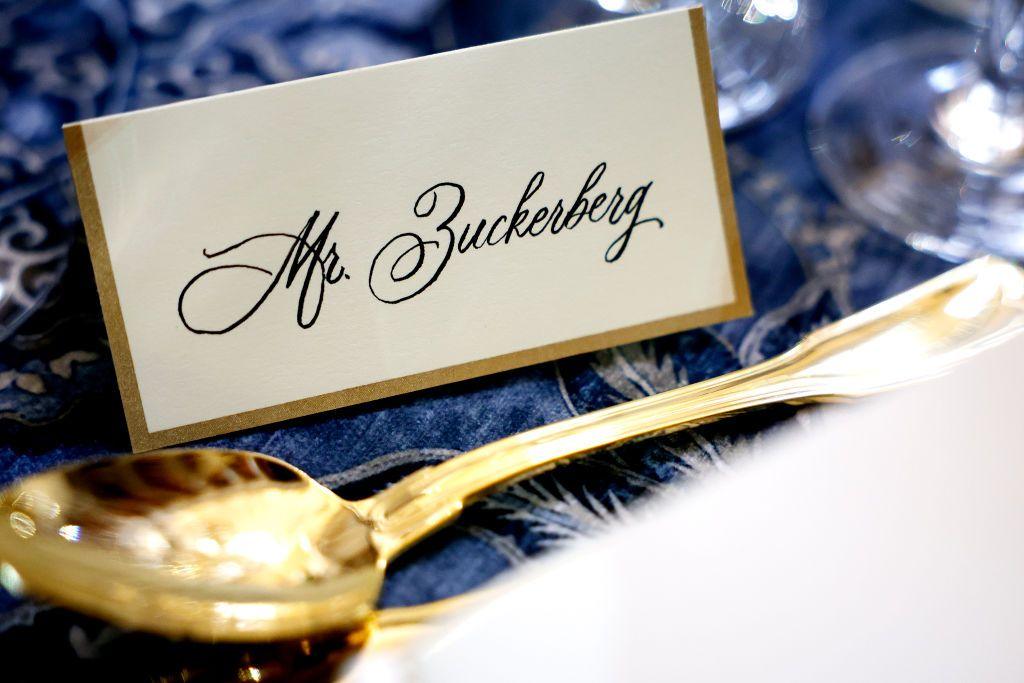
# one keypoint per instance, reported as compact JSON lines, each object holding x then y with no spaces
{"x":880,"y":133}
{"x":762,"y":52}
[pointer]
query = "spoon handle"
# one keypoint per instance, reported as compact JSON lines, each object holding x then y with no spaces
{"x":916,"y":335}
{"x":431,"y":497}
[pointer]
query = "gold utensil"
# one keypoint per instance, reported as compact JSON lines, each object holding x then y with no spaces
{"x":234,"y":546}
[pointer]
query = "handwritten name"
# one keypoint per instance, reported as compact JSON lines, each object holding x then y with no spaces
{"x":409,"y":263}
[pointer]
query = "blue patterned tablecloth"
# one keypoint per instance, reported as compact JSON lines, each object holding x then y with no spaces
{"x":809,"y":263}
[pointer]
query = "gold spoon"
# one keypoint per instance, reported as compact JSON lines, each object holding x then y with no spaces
{"x":233,"y":546}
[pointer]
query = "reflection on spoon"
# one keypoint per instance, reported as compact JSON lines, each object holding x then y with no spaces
{"x":230,"y":546}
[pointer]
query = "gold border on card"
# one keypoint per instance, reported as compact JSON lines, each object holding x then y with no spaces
{"x":716,"y":138}
{"x":142,"y":439}
{"x":103,"y":269}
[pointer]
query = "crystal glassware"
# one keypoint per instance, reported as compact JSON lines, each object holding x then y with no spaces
{"x":762,"y":50}
{"x":924,"y":137}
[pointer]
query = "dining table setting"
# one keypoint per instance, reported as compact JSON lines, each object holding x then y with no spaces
{"x":863,"y":167}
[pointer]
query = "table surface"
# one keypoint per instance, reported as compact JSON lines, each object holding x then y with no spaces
{"x":809,"y":262}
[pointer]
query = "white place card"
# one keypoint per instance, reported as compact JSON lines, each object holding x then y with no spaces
{"x":300,"y":247}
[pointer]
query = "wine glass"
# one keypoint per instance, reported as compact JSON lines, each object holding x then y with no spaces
{"x":924,"y":137}
{"x":762,"y":50}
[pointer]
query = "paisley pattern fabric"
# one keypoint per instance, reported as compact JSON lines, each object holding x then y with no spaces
{"x":809,"y":263}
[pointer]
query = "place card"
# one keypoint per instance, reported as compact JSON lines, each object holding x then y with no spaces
{"x":296,"y":248}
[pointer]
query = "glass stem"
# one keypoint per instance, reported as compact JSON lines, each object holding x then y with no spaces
{"x":1003,"y":48}
{"x":982,"y":119}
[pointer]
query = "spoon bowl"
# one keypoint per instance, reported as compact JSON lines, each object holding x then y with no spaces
{"x":206,"y":544}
